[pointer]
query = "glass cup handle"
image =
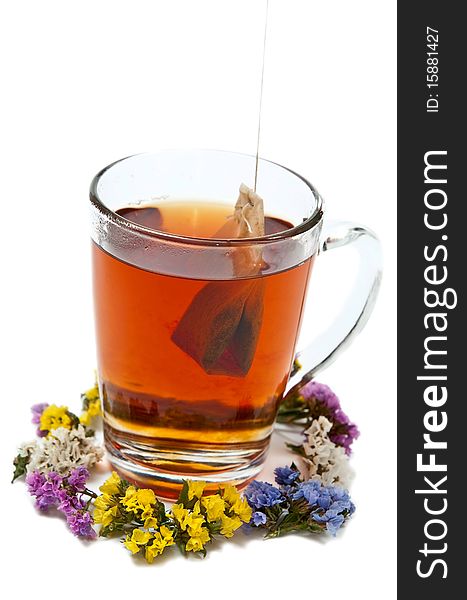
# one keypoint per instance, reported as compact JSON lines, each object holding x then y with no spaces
{"x":324,"y":350}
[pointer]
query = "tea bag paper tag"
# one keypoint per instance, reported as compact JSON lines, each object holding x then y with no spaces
{"x":248,"y":217}
{"x":249,"y":213}
{"x":246,"y":222}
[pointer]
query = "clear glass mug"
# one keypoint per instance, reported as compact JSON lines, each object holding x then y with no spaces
{"x":193,"y":356}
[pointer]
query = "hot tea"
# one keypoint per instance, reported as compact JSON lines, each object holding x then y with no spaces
{"x":190,"y":364}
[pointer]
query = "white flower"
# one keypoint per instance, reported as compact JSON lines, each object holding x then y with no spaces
{"x":63,"y":450}
{"x":324,"y":460}
{"x":27,"y":448}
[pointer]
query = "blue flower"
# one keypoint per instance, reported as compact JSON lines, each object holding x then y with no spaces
{"x":258,"y":518}
{"x":324,"y":501}
{"x":341,"y":499}
{"x":339,"y":506}
{"x":260,"y":494}
{"x":286,"y":476}
{"x":310,"y":490}
{"x":338,"y":492}
{"x":328,"y":504}
{"x":334,"y":524}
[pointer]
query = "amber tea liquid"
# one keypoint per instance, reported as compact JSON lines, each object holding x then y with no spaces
{"x":171,"y":404}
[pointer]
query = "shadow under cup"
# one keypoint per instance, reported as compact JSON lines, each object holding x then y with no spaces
{"x":193,"y":356}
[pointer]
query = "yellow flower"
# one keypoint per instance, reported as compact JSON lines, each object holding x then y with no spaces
{"x":139,"y":500}
{"x":150,"y":522}
{"x":214,"y":506}
{"x":148,"y":511}
{"x":229,"y":525}
{"x":138,"y":538}
{"x":195,"y":524}
{"x":94,"y":408}
{"x":145,"y":497}
{"x":130,"y":499}
{"x":101,"y":502}
{"x":180,"y":514}
{"x":194,"y":520}
{"x":162,"y":539}
{"x":152,"y":551}
{"x":88,"y":415}
{"x":195,"y":489}
{"x":230,"y":493}
{"x":148,"y":517}
{"x":111,"y":485}
{"x":92,"y":394}
{"x":104,"y":502}
{"x":93,"y":405}
{"x":85,"y":418}
{"x":242,"y":509}
{"x":167,"y":535}
{"x":130,"y":545}
{"x":188,"y":521}
{"x":197,"y":542}
{"x":105,"y":509}
{"x":55,"y":416}
{"x":105,"y":517}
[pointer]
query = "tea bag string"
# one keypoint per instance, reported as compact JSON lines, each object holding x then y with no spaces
{"x":261,"y":94}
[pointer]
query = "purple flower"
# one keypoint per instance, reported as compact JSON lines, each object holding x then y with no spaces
{"x":74,"y":509}
{"x":52,"y":490}
{"x":322,"y":393}
{"x":260,"y":494}
{"x":45,"y":489}
{"x":80,"y":523}
{"x":34,"y":481}
{"x":69,"y":502}
{"x":37,"y":410}
{"x":323,"y":401}
{"x":77,"y":479}
{"x":286,"y":476}
{"x":258,"y":518}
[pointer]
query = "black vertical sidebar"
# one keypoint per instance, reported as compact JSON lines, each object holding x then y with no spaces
{"x":432,"y":332}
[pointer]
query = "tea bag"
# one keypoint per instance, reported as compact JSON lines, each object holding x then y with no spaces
{"x":220,"y":328}
{"x":248,"y":217}
{"x":149,"y":216}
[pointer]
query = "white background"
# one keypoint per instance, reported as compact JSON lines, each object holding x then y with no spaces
{"x":86,"y":83}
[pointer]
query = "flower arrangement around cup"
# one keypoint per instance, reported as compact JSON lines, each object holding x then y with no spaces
{"x":309,"y":497}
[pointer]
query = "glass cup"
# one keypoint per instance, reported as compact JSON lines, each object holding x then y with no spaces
{"x":194,"y":353}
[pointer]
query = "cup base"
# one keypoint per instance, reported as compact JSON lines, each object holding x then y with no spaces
{"x":164,"y":468}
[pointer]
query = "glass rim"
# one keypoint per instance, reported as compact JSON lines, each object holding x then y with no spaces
{"x":306,"y":225}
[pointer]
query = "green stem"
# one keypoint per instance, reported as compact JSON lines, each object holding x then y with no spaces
{"x":88,"y":492}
